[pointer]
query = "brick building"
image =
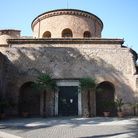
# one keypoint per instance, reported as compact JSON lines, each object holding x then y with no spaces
{"x":67,"y":43}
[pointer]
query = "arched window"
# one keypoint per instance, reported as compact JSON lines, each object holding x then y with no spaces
{"x":67,"y":33}
{"x":87,"y":34}
{"x":46,"y":34}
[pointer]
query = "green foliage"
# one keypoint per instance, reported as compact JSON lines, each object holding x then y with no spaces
{"x":119,"y":103}
{"x":45,"y":83}
{"x":135,"y":105}
{"x":4,"y":103}
{"x":26,"y":102}
{"x":107,"y":104}
{"x":87,"y":84}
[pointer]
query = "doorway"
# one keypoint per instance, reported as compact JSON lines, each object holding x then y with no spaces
{"x":31,"y":99}
{"x":68,"y":101}
{"x":107,"y":91}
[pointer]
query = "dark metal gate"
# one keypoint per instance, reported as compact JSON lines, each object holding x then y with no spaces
{"x":68,"y":101}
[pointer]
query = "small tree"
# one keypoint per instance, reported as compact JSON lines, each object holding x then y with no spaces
{"x":88,"y":85}
{"x":107,"y":104}
{"x":119,"y":103}
{"x":26,"y":103}
{"x":45,"y":84}
{"x":135,"y":105}
{"x":4,"y":103}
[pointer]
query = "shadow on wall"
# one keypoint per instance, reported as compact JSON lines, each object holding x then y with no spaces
{"x":103,"y":97}
{"x":3,"y":67}
{"x":29,"y":100}
{"x":8,"y":71}
{"x":65,"y":63}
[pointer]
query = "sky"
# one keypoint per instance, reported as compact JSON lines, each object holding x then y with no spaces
{"x":120,"y":17}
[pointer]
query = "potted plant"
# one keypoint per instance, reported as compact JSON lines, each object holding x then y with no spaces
{"x":119,"y":103}
{"x":4,"y":103}
{"x":135,"y":105}
{"x":107,"y":104}
{"x":26,"y":102}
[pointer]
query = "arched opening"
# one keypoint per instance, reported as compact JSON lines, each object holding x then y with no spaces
{"x":67,"y":33}
{"x":29,"y":100}
{"x":47,"y":34}
{"x":106,"y":91}
{"x":87,"y":34}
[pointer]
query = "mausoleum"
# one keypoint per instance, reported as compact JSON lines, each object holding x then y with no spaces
{"x":68,"y":44}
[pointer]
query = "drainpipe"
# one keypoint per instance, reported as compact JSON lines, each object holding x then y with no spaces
{"x":39,"y":28}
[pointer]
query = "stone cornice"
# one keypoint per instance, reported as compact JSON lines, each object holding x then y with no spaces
{"x":67,"y":41}
{"x":7,"y":31}
{"x":10,"y":30}
{"x":66,"y":12}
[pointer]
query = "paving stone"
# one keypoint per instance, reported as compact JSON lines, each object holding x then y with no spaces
{"x":71,"y":127}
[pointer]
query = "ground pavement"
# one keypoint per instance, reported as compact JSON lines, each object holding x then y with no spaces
{"x":69,"y":127}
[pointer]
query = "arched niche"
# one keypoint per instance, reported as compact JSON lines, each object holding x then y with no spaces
{"x":28,"y":93}
{"x":67,"y":33}
{"x":47,"y":34}
{"x":106,"y":91}
{"x":87,"y":34}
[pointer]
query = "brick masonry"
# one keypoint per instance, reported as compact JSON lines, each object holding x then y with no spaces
{"x":115,"y":65}
{"x":69,"y":58}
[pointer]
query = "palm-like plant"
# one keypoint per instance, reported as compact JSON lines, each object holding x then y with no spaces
{"x":26,"y":102}
{"x":4,"y":103}
{"x":107,"y":104}
{"x":119,"y":103}
{"x":45,"y":83}
{"x":135,"y":105}
{"x":88,"y":85}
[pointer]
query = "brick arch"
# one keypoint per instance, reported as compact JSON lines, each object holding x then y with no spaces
{"x":107,"y":91}
{"x":87,"y":34}
{"x":67,"y":33}
{"x":46,"y":34}
{"x":28,"y":92}
{"x":23,"y":80}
